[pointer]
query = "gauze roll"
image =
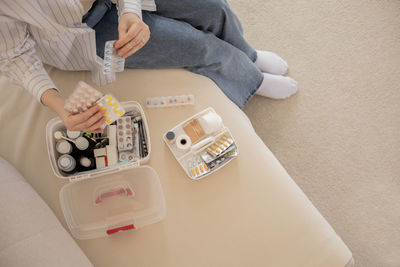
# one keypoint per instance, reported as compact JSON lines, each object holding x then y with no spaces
{"x":210,"y":122}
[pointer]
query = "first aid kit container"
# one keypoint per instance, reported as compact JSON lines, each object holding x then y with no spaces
{"x":102,"y":202}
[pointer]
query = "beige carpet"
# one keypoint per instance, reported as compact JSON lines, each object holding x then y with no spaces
{"x":339,"y":137}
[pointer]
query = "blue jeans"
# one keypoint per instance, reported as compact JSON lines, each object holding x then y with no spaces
{"x":204,"y":37}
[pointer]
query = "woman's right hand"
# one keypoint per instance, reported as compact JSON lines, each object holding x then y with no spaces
{"x":91,"y":120}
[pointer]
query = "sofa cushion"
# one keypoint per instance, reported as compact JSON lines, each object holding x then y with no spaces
{"x":30,"y":234}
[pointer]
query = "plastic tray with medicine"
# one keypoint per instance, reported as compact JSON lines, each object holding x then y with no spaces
{"x":202,"y":144}
{"x":107,"y":198}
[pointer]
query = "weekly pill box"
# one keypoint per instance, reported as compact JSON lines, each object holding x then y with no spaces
{"x":209,"y":154}
{"x":116,"y":198}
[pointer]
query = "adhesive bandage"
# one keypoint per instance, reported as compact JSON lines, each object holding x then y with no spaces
{"x":169,"y":101}
{"x":112,"y":61}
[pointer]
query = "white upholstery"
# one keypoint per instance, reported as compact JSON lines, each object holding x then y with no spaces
{"x":30,"y":234}
{"x":249,"y":213}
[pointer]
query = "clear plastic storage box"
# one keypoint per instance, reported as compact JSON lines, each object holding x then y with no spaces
{"x":101,"y":202}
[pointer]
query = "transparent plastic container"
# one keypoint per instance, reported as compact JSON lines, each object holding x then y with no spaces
{"x":102,"y":202}
{"x":192,"y":159}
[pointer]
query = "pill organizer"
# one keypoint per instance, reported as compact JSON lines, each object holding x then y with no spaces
{"x":212,"y":147}
{"x":102,"y":202}
{"x":169,"y":101}
{"x":112,"y":61}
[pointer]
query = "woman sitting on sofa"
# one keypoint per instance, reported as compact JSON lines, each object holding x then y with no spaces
{"x":204,"y":37}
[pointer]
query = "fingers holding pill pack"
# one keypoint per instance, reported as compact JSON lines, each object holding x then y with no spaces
{"x":112,"y":61}
{"x":112,"y":108}
{"x":82,"y":98}
{"x":85,"y":96}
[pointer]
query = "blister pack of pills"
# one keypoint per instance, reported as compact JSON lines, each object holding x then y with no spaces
{"x":124,"y":134}
{"x":113,"y":109}
{"x":82,"y":98}
{"x":169,"y":101}
{"x":112,"y":61}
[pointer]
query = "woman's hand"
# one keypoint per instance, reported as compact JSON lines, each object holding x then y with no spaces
{"x":91,"y":120}
{"x":133,"y":34}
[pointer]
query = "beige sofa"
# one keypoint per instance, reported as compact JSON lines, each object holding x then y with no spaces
{"x":249,"y":213}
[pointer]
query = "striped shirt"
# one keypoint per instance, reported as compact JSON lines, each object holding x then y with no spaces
{"x":33,"y":32}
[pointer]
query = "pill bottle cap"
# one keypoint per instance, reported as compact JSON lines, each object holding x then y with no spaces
{"x":64,"y":147}
{"x":170,"y":135}
{"x":66,"y":163}
{"x":85,"y":162}
{"x":73,"y":134}
{"x":82,"y":143}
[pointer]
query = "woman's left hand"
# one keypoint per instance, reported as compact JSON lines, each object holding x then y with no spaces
{"x":133,"y":34}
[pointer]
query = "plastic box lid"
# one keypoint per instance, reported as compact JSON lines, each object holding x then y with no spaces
{"x":125,"y":200}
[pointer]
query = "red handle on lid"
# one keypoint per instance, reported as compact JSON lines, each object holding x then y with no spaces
{"x":122,"y":228}
{"x":114,"y":192}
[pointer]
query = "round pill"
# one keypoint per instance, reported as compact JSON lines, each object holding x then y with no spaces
{"x":123,"y":156}
{"x":108,"y":52}
{"x":119,"y":120}
{"x":109,"y":121}
{"x":128,"y":132}
{"x":109,"y":45}
{"x":121,"y":133}
{"x":127,"y":126}
{"x":108,"y":64}
{"x":130,"y":157}
{"x":121,"y":139}
{"x":108,"y":58}
{"x":120,"y":113}
{"x":120,"y":62}
{"x":127,"y":119}
{"x":107,"y":70}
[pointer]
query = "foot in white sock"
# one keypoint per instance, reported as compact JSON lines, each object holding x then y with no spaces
{"x":270,"y":62}
{"x":277,"y":86}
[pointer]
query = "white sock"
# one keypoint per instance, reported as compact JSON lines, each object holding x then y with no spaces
{"x":270,"y":62}
{"x":277,"y":86}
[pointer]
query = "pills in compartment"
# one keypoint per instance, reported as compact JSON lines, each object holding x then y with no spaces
{"x":198,"y":169}
{"x":112,"y":61}
{"x":112,"y":108}
{"x":127,"y":155}
{"x":220,"y":146}
{"x":124,"y":134}
{"x":83,"y":97}
{"x":169,"y":101}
